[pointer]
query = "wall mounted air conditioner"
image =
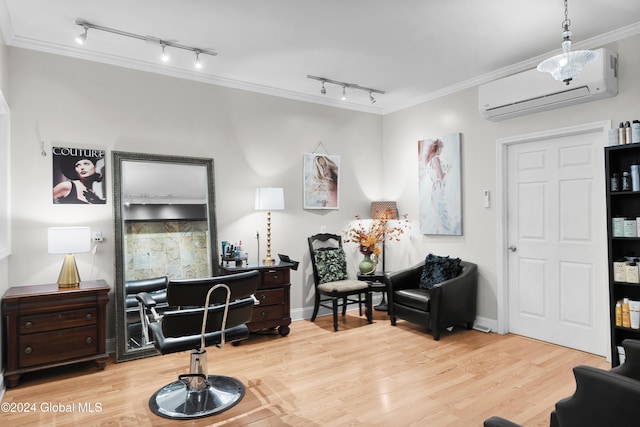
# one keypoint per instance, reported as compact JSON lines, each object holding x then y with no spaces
{"x":533,"y":91}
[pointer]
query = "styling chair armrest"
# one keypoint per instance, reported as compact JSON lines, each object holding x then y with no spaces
{"x":146,"y":299}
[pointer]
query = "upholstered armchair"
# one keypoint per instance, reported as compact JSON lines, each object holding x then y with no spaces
{"x":602,"y":398}
{"x":451,"y":302}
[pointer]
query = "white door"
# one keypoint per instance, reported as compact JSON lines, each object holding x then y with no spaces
{"x":555,"y":217}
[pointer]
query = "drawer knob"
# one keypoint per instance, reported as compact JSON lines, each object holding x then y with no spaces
{"x":262,"y":313}
{"x":263,"y":296}
{"x":28,"y":350}
{"x":88,"y":340}
{"x":275,"y":277}
{"x":89,"y":316}
{"x":28,"y":325}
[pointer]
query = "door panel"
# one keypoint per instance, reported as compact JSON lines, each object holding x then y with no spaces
{"x":550,"y":216}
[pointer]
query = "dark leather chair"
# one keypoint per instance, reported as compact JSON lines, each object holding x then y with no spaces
{"x":450,"y":303}
{"x":602,"y":398}
{"x":138,"y":315}
{"x":333,"y":294}
{"x":213,"y":311}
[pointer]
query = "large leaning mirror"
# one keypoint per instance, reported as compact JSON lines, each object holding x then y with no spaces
{"x":165,"y":226}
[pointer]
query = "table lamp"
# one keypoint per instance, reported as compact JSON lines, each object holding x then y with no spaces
{"x":269,"y":199}
{"x":69,"y":241}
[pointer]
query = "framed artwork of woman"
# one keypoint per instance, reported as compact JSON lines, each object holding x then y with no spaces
{"x":439,"y":167}
{"x":321,"y":187}
{"x":78,"y":176}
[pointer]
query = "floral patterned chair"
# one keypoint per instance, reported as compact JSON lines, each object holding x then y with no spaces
{"x":332,"y":284}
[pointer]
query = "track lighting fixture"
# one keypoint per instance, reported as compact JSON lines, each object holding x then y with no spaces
{"x":148,"y":39}
{"x":82,"y":37}
{"x":165,"y":56}
{"x":344,"y":85}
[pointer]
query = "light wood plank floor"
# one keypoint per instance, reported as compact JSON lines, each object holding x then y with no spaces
{"x":363,"y":375}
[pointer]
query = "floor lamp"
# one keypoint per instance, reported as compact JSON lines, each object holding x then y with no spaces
{"x":380,"y":210}
{"x":269,"y":199}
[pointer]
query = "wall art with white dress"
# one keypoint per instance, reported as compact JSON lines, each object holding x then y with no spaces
{"x":440,"y":185}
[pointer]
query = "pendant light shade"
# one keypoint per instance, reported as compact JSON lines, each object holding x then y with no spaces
{"x":567,"y":65}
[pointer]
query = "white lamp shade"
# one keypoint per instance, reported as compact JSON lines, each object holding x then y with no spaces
{"x":69,"y":240}
{"x":271,"y":199}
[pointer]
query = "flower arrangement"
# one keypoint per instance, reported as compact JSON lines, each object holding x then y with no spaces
{"x":380,"y":230}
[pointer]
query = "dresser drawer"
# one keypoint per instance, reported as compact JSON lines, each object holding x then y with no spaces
{"x":35,"y":323}
{"x":268,"y":312}
{"x":270,"y":297}
{"x":272,"y":278}
{"x":56,"y":346}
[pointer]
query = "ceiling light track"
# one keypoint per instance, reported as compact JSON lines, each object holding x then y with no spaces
{"x":346,"y":86}
{"x":148,"y":39}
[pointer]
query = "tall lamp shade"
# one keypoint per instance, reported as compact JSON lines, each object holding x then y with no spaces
{"x":269,"y":199}
{"x":69,"y":241}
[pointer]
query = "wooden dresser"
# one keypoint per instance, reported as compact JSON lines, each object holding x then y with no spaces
{"x":273,"y":310}
{"x":44,"y":327}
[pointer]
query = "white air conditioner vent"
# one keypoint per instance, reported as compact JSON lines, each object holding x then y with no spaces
{"x":532,"y":91}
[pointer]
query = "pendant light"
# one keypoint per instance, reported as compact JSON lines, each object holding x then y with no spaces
{"x":567,"y":65}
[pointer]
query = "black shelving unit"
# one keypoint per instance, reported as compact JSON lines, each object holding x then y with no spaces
{"x":618,"y":159}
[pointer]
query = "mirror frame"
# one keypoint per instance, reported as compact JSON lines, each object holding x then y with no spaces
{"x":117,"y":159}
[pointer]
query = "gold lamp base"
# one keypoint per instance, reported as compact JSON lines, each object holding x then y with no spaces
{"x":69,"y":277}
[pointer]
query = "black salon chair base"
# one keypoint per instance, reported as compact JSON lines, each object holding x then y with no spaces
{"x":216,"y":312}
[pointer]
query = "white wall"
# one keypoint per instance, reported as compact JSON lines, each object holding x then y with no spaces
{"x":259,"y":140}
{"x":459,"y":113}
{"x":256,"y":140}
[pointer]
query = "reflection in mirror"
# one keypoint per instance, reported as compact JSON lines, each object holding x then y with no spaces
{"x":165,"y":227}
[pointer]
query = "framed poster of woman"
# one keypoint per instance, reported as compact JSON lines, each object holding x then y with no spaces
{"x":321,"y":185}
{"x":78,"y":176}
{"x":440,"y":185}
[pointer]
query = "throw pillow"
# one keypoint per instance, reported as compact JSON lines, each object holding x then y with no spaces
{"x":437,"y":269}
{"x":331,"y":264}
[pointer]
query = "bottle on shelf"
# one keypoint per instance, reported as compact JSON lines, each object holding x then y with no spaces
{"x":619,"y":313}
{"x":626,"y":314}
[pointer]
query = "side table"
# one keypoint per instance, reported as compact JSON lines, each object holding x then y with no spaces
{"x":273,"y":310}
{"x":46,"y":326}
{"x":376,"y":283}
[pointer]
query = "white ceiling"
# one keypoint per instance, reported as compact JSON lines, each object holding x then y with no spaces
{"x":415,"y":50}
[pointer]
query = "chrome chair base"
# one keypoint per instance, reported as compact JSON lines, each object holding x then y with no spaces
{"x":180,"y":402}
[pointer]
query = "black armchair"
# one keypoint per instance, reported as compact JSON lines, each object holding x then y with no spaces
{"x":214,"y":311}
{"x":452,"y":302}
{"x":602,"y":398}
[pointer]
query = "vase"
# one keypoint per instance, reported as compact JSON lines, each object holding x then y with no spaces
{"x":367,"y":265}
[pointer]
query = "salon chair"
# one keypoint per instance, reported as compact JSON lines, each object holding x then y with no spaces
{"x":213,"y":311}
{"x":602,"y":398}
{"x":139,"y":315}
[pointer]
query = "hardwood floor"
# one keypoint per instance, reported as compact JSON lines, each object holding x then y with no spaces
{"x":363,"y":375}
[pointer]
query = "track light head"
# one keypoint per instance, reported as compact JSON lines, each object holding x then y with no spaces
{"x":371,"y":98}
{"x":323,"y":90}
{"x":198,"y":64}
{"x":344,"y":93}
{"x":82,"y":37}
{"x":165,"y":56}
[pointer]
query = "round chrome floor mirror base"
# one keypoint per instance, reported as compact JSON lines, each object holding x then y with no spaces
{"x":176,"y":401}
